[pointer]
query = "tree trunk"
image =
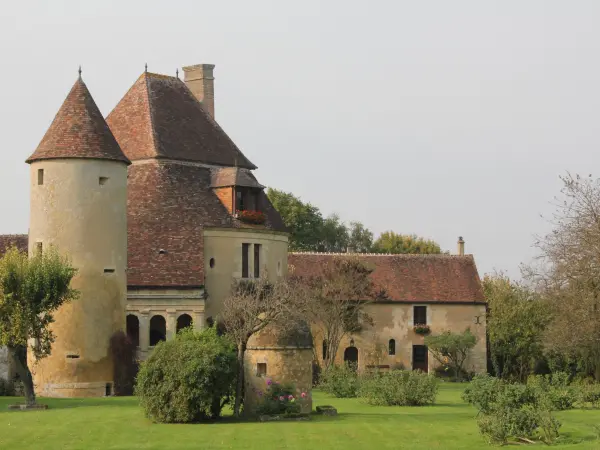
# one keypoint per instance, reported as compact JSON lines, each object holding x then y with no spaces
{"x":19,"y":356}
{"x":239,"y":389}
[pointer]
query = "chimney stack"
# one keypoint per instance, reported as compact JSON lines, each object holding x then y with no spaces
{"x":461,"y":246}
{"x":199,"y":79}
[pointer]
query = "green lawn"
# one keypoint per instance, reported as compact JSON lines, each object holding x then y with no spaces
{"x":118,"y":423}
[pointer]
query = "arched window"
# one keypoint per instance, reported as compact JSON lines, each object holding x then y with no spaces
{"x":392,"y":347}
{"x":133,"y":329}
{"x":184,"y":321}
{"x":324,"y":349}
{"x":158,"y":330}
{"x":351,"y":357}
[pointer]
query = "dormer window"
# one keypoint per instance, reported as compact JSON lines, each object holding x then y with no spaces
{"x":246,"y":199}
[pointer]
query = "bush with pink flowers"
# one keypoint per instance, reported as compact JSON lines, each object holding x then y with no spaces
{"x":278,"y":399}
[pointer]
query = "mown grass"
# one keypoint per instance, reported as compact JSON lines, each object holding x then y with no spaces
{"x":119,"y":423}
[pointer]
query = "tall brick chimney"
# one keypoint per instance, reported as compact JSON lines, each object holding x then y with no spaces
{"x":200,"y":80}
{"x":461,"y":246}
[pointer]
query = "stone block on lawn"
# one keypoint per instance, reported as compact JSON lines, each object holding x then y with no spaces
{"x":26,"y":407}
{"x":327,"y":410}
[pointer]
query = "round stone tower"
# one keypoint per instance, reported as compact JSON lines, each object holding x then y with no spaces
{"x":79,"y":206}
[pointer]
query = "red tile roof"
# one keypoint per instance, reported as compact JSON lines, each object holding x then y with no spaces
{"x":159,"y":117}
{"x":169,"y":205}
{"x":78,"y":131}
{"x":13,"y":240}
{"x":408,"y":278}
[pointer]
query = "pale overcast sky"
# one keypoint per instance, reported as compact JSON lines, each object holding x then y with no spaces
{"x":441,"y":118}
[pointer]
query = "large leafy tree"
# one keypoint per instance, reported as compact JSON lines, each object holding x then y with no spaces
{"x":334,"y":235}
{"x":31,"y":290}
{"x":516,"y":323}
{"x":304,"y":220}
{"x":360,"y":238}
{"x":390,"y":242}
{"x":569,"y":273}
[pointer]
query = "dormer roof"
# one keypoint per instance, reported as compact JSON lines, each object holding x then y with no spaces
{"x":233,"y":176}
{"x":78,"y":131}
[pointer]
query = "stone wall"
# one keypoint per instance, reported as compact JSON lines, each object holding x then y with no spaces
{"x":395,"y":321}
{"x":6,"y":366}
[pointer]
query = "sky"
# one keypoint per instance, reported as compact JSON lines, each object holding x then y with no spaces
{"x":438,"y":118}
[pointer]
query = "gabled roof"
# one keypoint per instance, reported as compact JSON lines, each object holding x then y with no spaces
{"x":233,"y":176}
{"x":159,"y":117}
{"x":78,"y":131}
{"x":408,"y":278}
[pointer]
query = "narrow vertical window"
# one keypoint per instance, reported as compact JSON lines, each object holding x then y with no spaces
{"x":39,"y":247}
{"x":324,"y":349}
{"x":245,"y":255}
{"x":392,"y":347}
{"x":239,"y":200}
{"x":40,"y":177}
{"x":420,"y":315}
{"x":256,"y":260}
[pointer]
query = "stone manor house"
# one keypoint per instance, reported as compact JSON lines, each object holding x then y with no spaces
{"x":159,"y":211}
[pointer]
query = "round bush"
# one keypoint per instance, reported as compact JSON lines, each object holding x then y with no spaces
{"x":187,"y":379}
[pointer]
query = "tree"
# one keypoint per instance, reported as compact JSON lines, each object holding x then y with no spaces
{"x":568,"y":273}
{"x":335,"y":301}
{"x":360,"y":238}
{"x":452,"y":349}
{"x":304,"y":220}
{"x":390,"y":242}
{"x":31,"y":290}
{"x":517,"y":320}
{"x":334,"y":235}
{"x":251,"y":307}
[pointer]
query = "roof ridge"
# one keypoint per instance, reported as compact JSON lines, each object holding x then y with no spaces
{"x":151,"y":114}
{"x":407,"y":255}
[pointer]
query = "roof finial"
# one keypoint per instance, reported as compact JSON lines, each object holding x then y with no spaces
{"x":177,"y":73}
{"x":146,"y":68}
{"x":79,"y":71}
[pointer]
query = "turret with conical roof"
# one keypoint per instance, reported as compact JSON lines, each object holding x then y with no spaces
{"x":79,"y":205}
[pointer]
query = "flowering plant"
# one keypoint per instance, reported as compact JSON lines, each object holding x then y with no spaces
{"x":256,"y":217}
{"x":279,"y":399}
{"x":422,"y":329}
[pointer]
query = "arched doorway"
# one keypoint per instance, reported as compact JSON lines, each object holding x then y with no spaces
{"x":133,"y":329}
{"x":351,"y":356}
{"x":158,"y":330}
{"x":184,"y":321}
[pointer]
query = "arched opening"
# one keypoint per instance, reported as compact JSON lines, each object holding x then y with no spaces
{"x":133,"y":329}
{"x":158,"y":330}
{"x":184,"y":321}
{"x":392,"y":347}
{"x":351,"y":357}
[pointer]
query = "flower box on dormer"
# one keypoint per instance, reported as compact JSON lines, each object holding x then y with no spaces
{"x":255,"y":217}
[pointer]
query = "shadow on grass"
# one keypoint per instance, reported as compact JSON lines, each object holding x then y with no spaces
{"x":68,"y":403}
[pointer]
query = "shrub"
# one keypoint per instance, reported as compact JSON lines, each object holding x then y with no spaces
{"x":341,"y":381}
{"x":279,"y":399}
{"x":6,"y":388}
{"x":513,"y":410}
{"x":589,"y":393}
{"x":123,"y":352}
{"x":189,"y":378}
{"x":557,"y":388}
{"x":399,"y":388}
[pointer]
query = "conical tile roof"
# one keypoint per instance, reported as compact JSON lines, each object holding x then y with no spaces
{"x":79,"y":131}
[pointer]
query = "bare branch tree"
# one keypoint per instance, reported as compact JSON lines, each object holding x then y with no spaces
{"x":334,"y":301}
{"x":251,"y":307}
{"x":570,"y":272}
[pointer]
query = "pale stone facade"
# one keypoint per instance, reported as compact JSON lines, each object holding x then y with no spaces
{"x":79,"y":206}
{"x":395,"y":321}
